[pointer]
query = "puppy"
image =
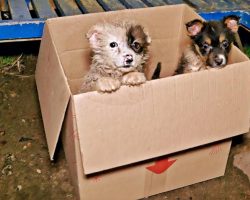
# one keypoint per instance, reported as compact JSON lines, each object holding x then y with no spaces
{"x":211,"y":44}
{"x":120,"y":51}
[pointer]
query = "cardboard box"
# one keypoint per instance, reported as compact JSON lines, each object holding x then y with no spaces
{"x":132,"y":125}
{"x":142,"y":179}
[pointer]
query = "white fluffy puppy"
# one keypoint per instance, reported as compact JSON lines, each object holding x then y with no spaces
{"x":120,"y":51}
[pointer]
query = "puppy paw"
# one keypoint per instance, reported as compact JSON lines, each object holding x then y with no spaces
{"x":107,"y":84}
{"x":133,"y":78}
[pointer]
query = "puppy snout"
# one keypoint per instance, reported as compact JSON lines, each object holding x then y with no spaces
{"x":219,"y":59}
{"x":128,"y":59}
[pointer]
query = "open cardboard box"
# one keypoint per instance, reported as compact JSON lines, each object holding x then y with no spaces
{"x":104,"y":133}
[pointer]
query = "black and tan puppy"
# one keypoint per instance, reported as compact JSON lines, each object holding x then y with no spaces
{"x":211,"y":44}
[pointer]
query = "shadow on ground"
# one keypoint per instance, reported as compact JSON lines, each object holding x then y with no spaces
{"x":26,"y":171}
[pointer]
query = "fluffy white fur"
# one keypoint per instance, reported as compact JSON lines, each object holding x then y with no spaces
{"x":115,"y":60}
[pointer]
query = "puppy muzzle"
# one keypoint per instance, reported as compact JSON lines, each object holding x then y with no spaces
{"x":128,"y":61}
{"x":217,"y":58}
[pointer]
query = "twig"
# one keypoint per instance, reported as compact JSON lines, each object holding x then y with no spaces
{"x":18,"y":75}
{"x":16,"y":63}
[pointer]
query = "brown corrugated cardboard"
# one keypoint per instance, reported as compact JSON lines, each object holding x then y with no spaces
{"x":53,"y":90}
{"x":182,"y":111}
{"x":135,"y":124}
{"x":146,"y":178}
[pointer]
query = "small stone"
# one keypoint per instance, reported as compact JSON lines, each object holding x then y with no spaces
{"x":55,"y":183}
{"x":31,"y":164}
{"x":7,"y":170}
{"x":69,"y":196}
{"x":9,"y":173}
{"x":27,"y":145}
{"x":19,"y":187}
{"x":10,"y":157}
{"x":23,"y":120}
{"x":38,"y":171}
{"x":2,"y":133}
{"x":13,"y":94}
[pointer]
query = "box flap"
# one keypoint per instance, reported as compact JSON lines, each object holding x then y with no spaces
{"x":53,"y":90}
{"x":139,"y":123}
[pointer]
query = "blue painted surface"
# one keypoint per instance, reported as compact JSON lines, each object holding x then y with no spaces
{"x":21,"y":30}
{"x":244,"y":16}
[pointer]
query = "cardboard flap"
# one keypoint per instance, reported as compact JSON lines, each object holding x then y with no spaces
{"x":162,"y":116}
{"x":53,"y":90}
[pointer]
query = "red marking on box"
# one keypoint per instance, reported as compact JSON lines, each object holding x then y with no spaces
{"x":161,"y":166}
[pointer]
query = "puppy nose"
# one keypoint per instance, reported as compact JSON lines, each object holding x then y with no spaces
{"x":218,"y":60}
{"x":128,"y":59}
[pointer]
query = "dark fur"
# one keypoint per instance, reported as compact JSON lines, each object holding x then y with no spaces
{"x":137,"y":39}
{"x":200,"y":54}
{"x":157,"y":71}
{"x":214,"y":38}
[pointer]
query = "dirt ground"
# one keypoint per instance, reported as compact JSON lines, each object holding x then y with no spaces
{"x":26,"y":172}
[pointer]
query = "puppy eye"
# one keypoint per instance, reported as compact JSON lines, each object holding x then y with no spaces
{"x":136,"y":45}
{"x":225,"y":44}
{"x":113,"y":44}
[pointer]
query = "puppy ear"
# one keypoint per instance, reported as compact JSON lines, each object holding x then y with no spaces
{"x":93,"y":35}
{"x":194,"y":27}
{"x":232,"y":22}
{"x":148,"y":38}
{"x":137,"y":32}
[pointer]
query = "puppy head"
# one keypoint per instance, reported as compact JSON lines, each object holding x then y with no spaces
{"x":121,"y":46}
{"x":213,"y":40}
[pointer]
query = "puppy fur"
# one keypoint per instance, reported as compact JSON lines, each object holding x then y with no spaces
{"x":211,"y":44}
{"x":120,"y":51}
